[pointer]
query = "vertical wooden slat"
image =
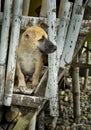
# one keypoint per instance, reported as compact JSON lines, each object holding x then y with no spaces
{"x":54,"y":59}
{"x":63,"y":27}
{"x":26,"y":4}
{"x":52,"y":86}
{"x":4,"y":44}
{"x":43,"y":11}
{"x":60,"y":8}
{"x":74,"y":28}
{"x":12,"y":52}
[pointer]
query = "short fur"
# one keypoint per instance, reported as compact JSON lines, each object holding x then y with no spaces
{"x":34,"y":41}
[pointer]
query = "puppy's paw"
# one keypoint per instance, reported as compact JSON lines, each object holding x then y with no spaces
{"x":34,"y":84}
{"x":22,"y":88}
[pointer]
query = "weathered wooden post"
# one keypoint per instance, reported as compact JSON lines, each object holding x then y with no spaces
{"x":68,"y":52}
{"x":4,"y":45}
{"x":74,"y":28}
{"x":52,"y":86}
{"x":54,"y":59}
{"x":63,"y":27}
{"x":14,"y":39}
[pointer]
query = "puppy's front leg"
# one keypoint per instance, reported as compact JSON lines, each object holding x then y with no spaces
{"x":20,"y":76}
{"x":36,"y":75}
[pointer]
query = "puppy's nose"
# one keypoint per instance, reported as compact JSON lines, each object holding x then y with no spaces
{"x":53,"y":47}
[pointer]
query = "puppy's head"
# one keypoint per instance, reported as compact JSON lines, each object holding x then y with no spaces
{"x":37,"y":38}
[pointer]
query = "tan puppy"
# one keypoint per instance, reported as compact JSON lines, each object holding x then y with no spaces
{"x":34,"y":41}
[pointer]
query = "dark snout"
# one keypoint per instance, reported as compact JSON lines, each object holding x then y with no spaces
{"x":50,"y":47}
{"x":46,"y":46}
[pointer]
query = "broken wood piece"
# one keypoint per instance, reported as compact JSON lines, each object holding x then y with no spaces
{"x":21,"y":124}
{"x":40,"y":90}
{"x":27,"y":91}
{"x":12,"y":114}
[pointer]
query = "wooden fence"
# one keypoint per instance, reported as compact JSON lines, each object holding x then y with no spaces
{"x":63,"y":31}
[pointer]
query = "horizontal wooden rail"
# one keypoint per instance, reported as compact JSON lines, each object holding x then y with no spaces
{"x":27,"y":20}
{"x":27,"y":101}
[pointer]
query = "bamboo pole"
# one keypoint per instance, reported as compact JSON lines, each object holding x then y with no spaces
{"x":87,"y":69}
{"x":26,"y":5}
{"x":12,"y":52}
{"x":74,"y":28}
{"x":76,"y":93}
{"x":4,"y":44}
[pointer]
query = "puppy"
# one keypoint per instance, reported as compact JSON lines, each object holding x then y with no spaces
{"x":33,"y":43}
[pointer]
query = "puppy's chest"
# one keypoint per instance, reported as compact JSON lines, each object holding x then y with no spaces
{"x":27,"y":61}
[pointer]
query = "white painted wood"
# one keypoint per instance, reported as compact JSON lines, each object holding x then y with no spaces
{"x":73,"y":32}
{"x":12,"y":52}
{"x":4,"y":44}
{"x":63,"y":27}
{"x":84,"y":29}
{"x":52,"y":86}
{"x":54,"y":59}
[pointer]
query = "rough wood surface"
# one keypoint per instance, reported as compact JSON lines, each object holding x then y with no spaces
{"x":14,"y":39}
{"x":26,"y":100}
{"x":52,"y":86}
{"x":26,"y":20}
{"x":73,"y":32}
{"x":21,"y":124}
{"x":4,"y":44}
{"x":76,"y":93}
{"x":81,"y":65}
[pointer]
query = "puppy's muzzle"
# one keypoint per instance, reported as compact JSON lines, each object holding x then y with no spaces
{"x":50,"y":47}
{"x":47,"y":47}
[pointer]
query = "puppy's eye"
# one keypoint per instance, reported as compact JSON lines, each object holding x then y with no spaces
{"x":41,"y":39}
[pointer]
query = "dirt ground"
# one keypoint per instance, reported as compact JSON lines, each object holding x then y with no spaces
{"x":66,"y":118}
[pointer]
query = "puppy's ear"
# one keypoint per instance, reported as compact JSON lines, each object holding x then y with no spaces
{"x":27,"y":36}
{"x":43,"y":25}
{"x":28,"y":25}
